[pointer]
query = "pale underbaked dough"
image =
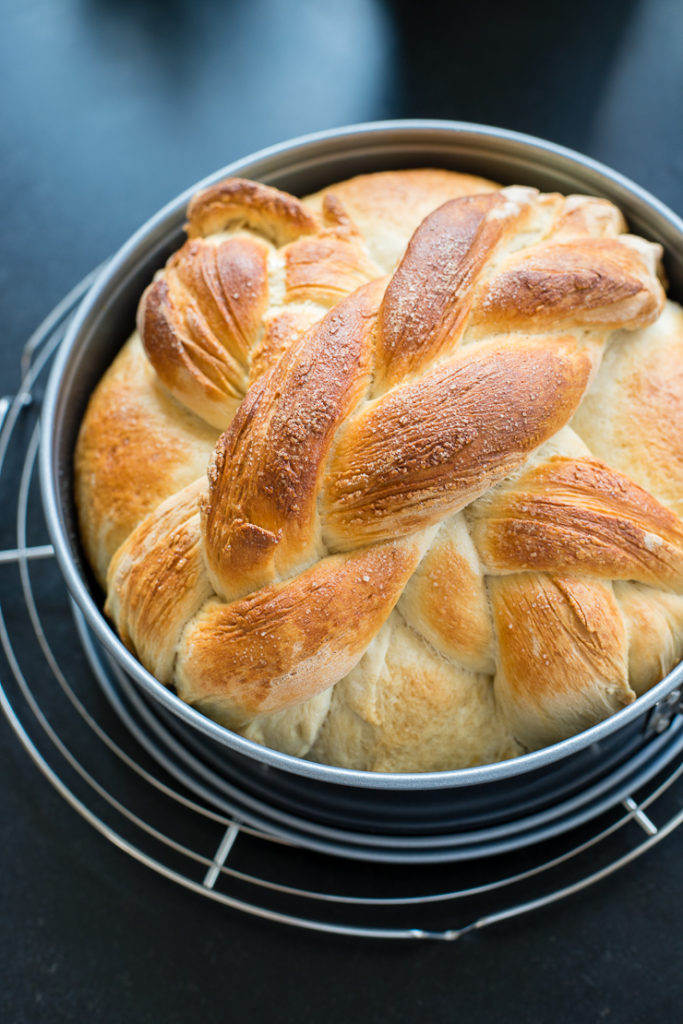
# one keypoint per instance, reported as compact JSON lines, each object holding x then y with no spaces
{"x":390,"y":477}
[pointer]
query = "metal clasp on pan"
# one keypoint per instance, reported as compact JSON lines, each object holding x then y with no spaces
{"x":663,"y":713}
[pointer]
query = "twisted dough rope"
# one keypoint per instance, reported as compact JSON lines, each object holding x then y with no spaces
{"x":259,"y":269}
{"x":338,"y":591}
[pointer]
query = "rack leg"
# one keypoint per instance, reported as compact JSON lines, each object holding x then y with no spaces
{"x":640,"y":816}
{"x":224,"y":847}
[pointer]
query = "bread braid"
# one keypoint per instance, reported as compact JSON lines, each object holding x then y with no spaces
{"x":404,"y":557}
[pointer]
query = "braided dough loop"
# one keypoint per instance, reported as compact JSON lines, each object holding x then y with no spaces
{"x":227,"y":305}
{"x":411,"y":558}
{"x":203,"y":321}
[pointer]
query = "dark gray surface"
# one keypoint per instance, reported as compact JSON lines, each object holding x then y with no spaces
{"x":108,"y":110}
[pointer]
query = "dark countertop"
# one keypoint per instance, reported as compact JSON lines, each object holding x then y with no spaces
{"x":110,"y":109}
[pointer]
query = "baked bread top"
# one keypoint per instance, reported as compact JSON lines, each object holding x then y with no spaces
{"x":384,"y":479}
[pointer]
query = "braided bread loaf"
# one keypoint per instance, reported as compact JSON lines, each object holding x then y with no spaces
{"x":441,"y":523}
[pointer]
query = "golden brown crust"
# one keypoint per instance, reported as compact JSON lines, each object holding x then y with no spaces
{"x":573,"y":515}
{"x":207,"y":332}
{"x":281,"y":331}
{"x":585,"y":283}
{"x":562,"y":655}
{"x":199,"y":323}
{"x":276,"y":214}
{"x":326,"y":267}
{"x":428,"y":299}
{"x":280,"y":438}
{"x":429,"y":447}
{"x":157,"y":580}
{"x":374,"y":410}
{"x":136,"y":447}
{"x":425,"y":304}
{"x":287,"y":642}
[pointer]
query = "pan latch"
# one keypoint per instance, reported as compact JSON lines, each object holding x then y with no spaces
{"x":664,"y":712}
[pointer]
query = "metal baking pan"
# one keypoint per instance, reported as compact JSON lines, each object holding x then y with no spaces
{"x":407,"y":809}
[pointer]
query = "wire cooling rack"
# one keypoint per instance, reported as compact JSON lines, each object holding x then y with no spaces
{"x":73,"y":734}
